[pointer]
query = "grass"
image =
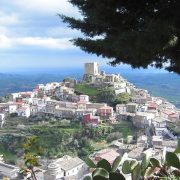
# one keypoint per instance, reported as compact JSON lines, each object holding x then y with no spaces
{"x":100,"y":145}
{"x":124,"y":127}
{"x":8,"y":156}
{"x":85,"y":89}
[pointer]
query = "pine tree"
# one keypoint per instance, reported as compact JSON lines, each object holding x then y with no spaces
{"x":139,"y":33}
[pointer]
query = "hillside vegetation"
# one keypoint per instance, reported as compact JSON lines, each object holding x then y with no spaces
{"x":58,"y":137}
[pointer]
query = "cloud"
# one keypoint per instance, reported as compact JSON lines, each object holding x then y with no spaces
{"x":4,"y":30}
{"x":41,"y":42}
{"x":60,"y":31}
{"x":10,"y":19}
{"x":48,"y":6}
{"x":27,"y":27}
{"x":5,"y":42}
{"x":52,"y":43}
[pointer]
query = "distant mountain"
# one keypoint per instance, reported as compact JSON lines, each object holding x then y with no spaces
{"x":26,"y":82}
{"x":166,"y":85}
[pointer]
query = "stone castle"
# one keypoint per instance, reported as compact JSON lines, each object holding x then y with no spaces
{"x":93,"y":75}
{"x":91,"y":68}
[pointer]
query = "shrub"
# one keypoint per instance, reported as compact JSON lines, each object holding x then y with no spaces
{"x":113,"y":136}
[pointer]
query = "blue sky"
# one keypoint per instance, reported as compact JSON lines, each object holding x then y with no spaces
{"x":33,"y":36}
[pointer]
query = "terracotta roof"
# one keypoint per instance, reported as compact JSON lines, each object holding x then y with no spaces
{"x":108,"y":154}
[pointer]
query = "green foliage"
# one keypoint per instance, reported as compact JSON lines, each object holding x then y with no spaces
{"x":90,"y":163}
{"x":86,"y":89}
{"x":68,"y":79}
{"x":124,"y":127}
{"x":116,"y":164}
{"x":92,"y":92}
{"x":136,"y":173}
{"x":172,"y":160}
{"x":57,"y":138}
{"x":85,"y":147}
{"x":13,"y":115}
{"x":32,"y":145}
{"x":88,"y":178}
{"x":122,"y":98}
{"x":103,"y":169}
{"x":155,"y":162}
{"x":126,"y":168}
{"x":32,"y":150}
{"x":10,"y":147}
{"x":106,"y":95}
{"x":9,"y":156}
{"x":100,"y":172}
{"x":145,"y":162}
{"x":130,"y":31}
{"x":113,"y":136}
{"x":104,"y":164}
{"x":115,"y":176}
{"x":148,"y":168}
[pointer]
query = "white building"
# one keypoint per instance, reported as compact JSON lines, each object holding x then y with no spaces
{"x":159,"y":122}
{"x":41,"y":108}
{"x":120,"y":91}
{"x":9,"y":171}
{"x":66,"y":166}
{"x":34,"y":110}
{"x":143,"y":119}
{"x":13,"y":96}
{"x":24,"y":111}
{"x":40,"y":86}
{"x":2,"y":119}
{"x":120,"y":108}
{"x":157,"y":141}
{"x":80,"y":112}
{"x":12,"y":108}
{"x":84,"y":98}
{"x":142,"y":141}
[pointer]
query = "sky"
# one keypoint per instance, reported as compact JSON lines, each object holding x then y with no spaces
{"x":33,"y":36}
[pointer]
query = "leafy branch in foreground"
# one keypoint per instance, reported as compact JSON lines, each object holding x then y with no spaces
{"x":147,"y":169}
{"x":103,"y":170}
{"x":32,"y":150}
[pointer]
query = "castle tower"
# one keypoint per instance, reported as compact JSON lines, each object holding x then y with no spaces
{"x":91,"y":68}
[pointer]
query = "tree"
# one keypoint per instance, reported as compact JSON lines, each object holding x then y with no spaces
{"x":113,"y":136}
{"x":32,"y":150}
{"x":139,"y":33}
{"x":106,"y":95}
{"x":122,"y":98}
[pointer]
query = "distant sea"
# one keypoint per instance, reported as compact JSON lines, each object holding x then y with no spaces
{"x":163,"y":84}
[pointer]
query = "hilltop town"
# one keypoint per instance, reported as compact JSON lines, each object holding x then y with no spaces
{"x":88,"y":104}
